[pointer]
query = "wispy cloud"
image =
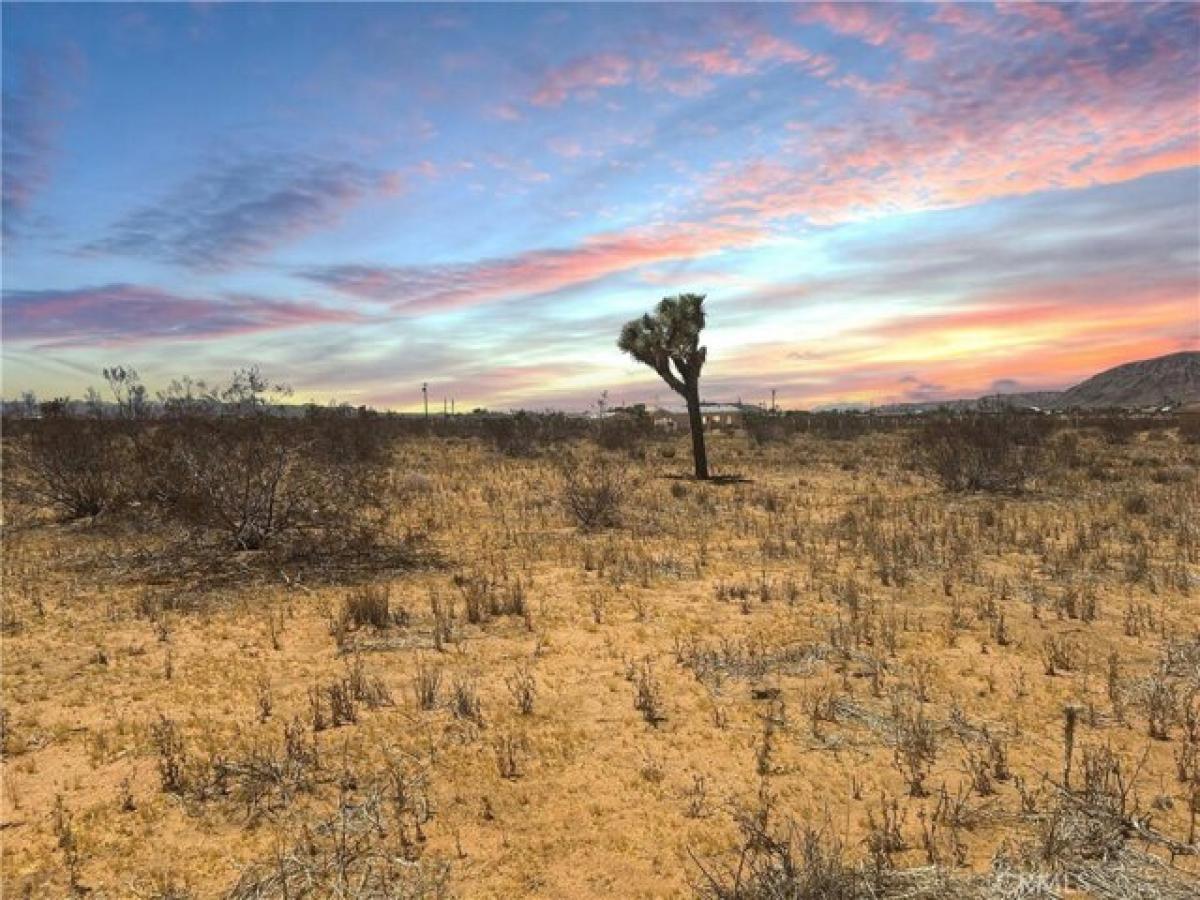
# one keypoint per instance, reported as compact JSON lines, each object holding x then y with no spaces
{"x":876,"y":24}
{"x":916,"y":197}
{"x":583,"y":77}
{"x":32,"y":109}
{"x":435,"y":288}
{"x":687,"y":72}
{"x":121,"y":314}
{"x":238,"y":211}
{"x":1007,"y":119}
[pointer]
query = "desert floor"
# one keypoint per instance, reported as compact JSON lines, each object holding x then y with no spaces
{"x":834,"y":643}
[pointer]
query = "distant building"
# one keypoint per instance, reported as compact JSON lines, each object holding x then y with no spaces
{"x":714,"y":416}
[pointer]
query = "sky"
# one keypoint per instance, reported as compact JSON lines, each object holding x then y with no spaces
{"x":882,"y":203}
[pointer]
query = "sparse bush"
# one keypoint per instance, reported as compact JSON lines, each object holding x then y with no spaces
{"x":1137,"y":504}
{"x":765,"y":429}
{"x":172,"y":755}
{"x":648,"y":696}
{"x":218,"y":463}
{"x":370,"y":847}
{"x":787,"y":862}
{"x":1162,"y":698}
{"x":1118,"y":429}
{"x":1059,"y":655}
{"x":527,"y":434}
{"x":342,"y":707}
{"x":427,"y":682}
{"x":370,"y":605}
{"x":465,"y":702}
{"x":915,"y":749}
{"x":510,"y":756}
{"x":523,"y":687}
{"x":982,"y":452}
{"x":1189,"y":428}
{"x":78,"y":467}
{"x":593,"y":490}
{"x":256,"y":481}
{"x":802,"y":583}
{"x":624,"y":431}
{"x":68,"y":843}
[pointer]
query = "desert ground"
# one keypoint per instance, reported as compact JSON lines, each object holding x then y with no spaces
{"x":823,"y":675}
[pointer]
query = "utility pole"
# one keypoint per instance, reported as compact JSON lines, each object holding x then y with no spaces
{"x":425,"y":395}
{"x":772,"y":399}
{"x":445,"y":408}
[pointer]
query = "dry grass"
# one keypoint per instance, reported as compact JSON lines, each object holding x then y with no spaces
{"x":833,"y":678}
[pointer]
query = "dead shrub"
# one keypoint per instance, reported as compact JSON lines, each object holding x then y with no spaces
{"x":1161,"y":701}
{"x":523,"y":687}
{"x":352,"y":853}
{"x":997,"y":453}
{"x":510,"y":756}
{"x":787,"y":861}
{"x":172,"y":755}
{"x":369,"y":605}
{"x":1189,"y":428}
{"x":916,"y":748}
{"x":427,"y":683}
{"x":77,"y":467}
{"x":527,"y":434}
{"x":258,"y":482}
{"x":1059,"y":654}
{"x":648,"y":698}
{"x":593,"y":490}
{"x":465,"y":702}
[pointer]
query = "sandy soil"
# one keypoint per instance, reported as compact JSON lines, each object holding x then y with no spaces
{"x":807,"y":608}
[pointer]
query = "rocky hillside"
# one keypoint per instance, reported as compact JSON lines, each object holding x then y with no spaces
{"x":1173,"y":378}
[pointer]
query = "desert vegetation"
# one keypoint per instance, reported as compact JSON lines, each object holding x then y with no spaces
{"x":336,"y":653}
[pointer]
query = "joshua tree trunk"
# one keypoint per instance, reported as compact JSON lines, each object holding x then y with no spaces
{"x":699,"y":456}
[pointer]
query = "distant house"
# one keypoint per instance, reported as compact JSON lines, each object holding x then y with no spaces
{"x":714,"y":416}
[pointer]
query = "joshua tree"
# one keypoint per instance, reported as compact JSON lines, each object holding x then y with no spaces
{"x":671,"y":335}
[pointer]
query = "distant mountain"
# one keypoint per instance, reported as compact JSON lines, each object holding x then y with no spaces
{"x":1165,"y":380}
{"x":1170,"y":379}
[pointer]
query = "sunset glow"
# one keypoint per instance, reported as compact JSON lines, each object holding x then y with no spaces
{"x":882,"y":202}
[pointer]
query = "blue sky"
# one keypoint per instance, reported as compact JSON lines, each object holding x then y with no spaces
{"x":883,"y":202}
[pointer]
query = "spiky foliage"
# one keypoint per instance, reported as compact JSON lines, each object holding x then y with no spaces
{"x":670,"y":336}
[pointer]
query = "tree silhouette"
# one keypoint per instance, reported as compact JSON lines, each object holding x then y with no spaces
{"x":128,"y":390}
{"x":671,"y":336}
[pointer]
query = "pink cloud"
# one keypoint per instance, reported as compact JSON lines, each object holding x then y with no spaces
{"x":565,"y":147}
{"x":965,"y":18}
{"x":919,"y":46}
{"x":1041,"y":17}
{"x":1045,"y":314}
{"x":583,"y":76}
{"x":689,"y":73}
{"x":417,"y":289}
{"x":961,"y":355}
{"x":506,"y":112}
{"x":34,"y":101}
{"x":719,"y":61}
{"x":121,"y":314}
{"x":873,"y":23}
{"x":961,"y":134}
{"x":770,"y":48}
